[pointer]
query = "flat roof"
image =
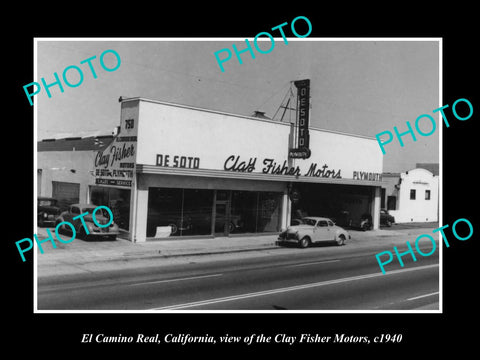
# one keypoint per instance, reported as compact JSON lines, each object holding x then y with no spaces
{"x":238,"y":115}
{"x":75,"y":143}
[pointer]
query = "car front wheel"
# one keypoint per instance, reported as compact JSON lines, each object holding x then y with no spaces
{"x":61,"y":229}
{"x":173,"y":228}
{"x":82,"y":234}
{"x":366,"y":226}
{"x":341,"y":240}
{"x":305,"y":242}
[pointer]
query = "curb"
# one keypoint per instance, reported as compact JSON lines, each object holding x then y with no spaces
{"x":212,"y":252}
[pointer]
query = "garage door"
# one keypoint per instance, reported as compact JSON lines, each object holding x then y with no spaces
{"x":66,"y":193}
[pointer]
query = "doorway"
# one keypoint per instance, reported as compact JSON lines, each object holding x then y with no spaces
{"x":221,"y":218}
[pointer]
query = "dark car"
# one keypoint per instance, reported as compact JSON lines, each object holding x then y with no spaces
{"x":102,"y":218}
{"x":47,"y":211}
{"x":386,"y":218}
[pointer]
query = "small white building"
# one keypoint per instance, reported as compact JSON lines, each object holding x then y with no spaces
{"x":412,"y":196}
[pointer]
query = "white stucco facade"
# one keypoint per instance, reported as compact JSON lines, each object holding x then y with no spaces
{"x":418,"y":197}
{"x":70,"y":167}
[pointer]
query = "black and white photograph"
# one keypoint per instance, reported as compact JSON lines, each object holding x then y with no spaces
{"x":231,"y":185}
{"x":223,"y":183}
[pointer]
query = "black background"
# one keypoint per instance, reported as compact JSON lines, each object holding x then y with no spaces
{"x":50,"y":334}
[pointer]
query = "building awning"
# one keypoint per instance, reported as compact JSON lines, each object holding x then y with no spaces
{"x":158,"y":170}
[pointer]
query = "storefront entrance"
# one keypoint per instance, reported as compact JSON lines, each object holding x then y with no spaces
{"x":222,"y":214}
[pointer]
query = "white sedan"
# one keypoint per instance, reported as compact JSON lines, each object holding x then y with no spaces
{"x":312,"y":230}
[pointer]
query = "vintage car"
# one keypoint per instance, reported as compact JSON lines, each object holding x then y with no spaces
{"x":386,"y":218}
{"x":101,"y":216}
{"x":312,"y":230}
{"x":47,"y":211}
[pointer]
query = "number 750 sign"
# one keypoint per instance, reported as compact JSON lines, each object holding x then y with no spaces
{"x":129,"y":123}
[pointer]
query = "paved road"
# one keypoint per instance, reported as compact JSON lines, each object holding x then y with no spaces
{"x":324,"y":278}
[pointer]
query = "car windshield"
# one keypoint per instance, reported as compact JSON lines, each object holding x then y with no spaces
{"x":47,"y":202}
{"x":89,"y":209}
{"x":308,"y":221}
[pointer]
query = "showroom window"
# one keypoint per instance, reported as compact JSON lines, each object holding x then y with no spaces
{"x":192,"y":212}
{"x":255,"y":212}
{"x":179,"y":212}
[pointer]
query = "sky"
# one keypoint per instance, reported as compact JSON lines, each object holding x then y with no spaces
{"x":357,"y":87}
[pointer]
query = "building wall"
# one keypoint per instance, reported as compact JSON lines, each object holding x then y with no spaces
{"x":190,"y":182}
{"x":65,"y":166}
{"x":391,"y":185}
{"x":214,"y":137}
{"x":209,"y":136}
{"x":420,"y":209}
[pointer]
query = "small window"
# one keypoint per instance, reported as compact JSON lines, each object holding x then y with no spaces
{"x":427,"y":194}
{"x":412,"y":194}
{"x":322,"y":223}
{"x":330,"y":223}
{"x":75,"y":210}
{"x":391,"y":203}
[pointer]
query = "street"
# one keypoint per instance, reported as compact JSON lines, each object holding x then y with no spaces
{"x":319,"y":278}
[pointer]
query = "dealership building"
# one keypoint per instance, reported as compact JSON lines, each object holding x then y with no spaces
{"x":178,"y":171}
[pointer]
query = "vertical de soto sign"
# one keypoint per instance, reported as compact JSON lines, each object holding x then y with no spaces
{"x":303,"y":119}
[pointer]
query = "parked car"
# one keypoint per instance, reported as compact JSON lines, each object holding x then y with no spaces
{"x":47,"y":211}
{"x":366,"y":222}
{"x":101,"y":216}
{"x":312,"y":230}
{"x":386,"y":218}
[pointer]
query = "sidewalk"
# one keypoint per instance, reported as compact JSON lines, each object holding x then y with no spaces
{"x":83,"y":256}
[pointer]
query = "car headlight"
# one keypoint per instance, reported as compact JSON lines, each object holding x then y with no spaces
{"x":45,"y":215}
